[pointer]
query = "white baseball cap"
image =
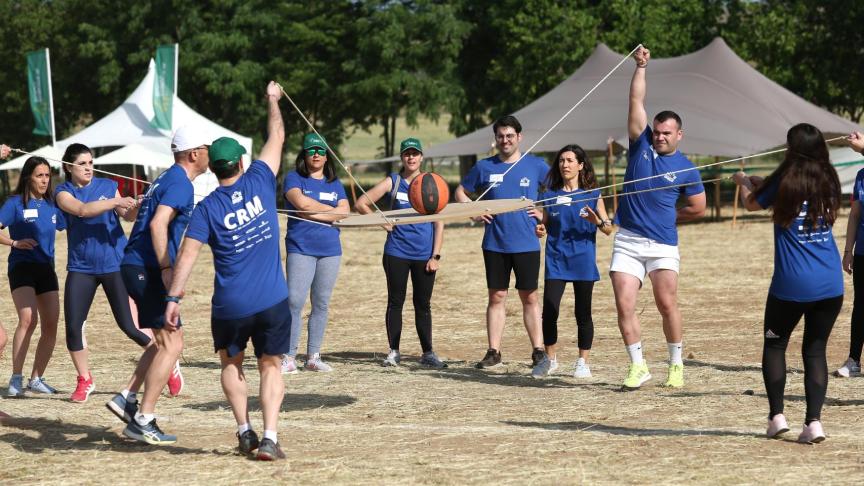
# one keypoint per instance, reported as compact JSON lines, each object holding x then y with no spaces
{"x":187,"y":138}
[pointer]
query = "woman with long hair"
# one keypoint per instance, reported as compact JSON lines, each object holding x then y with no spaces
{"x":804,"y":194}
{"x":572,"y":215}
{"x":96,"y":242}
{"x":414,"y":250}
{"x":313,"y":250}
{"x":33,"y":220}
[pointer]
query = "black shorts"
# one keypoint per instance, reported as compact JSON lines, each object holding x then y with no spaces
{"x":269,"y":329}
{"x":40,"y":276}
{"x":525,"y":265}
{"x":147,"y":290}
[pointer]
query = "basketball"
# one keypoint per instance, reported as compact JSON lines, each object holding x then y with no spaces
{"x":428,"y":193}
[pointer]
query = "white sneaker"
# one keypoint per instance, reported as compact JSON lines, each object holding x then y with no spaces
{"x":553,"y":365}
{"x":849,"y":368}
{"x":316,"y":364}
{"x":581,"y":369}
{"x":777,"y":426}
{"x":393,"y":358}
{"x":812,"y":434}
{"x":289,"y":365}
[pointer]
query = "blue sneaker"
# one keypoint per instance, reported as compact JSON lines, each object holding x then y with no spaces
{"x":149,"y":433}
{"x":16,"y":387}
{"x":123,"y":409}
{"x":38,"y":385}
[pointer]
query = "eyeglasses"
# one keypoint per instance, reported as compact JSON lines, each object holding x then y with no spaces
{"x":508,"y":136}
{"x":316,"y":151}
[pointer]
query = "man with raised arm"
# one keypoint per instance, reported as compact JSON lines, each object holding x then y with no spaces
{"x":646,"y":243}
{"x":250,"y":296}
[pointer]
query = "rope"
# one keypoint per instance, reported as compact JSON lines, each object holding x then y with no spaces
{"x":283,"y":213}
{"x":562,"y":119}
{"x":627,"y":193}
{"x":24,"y":152}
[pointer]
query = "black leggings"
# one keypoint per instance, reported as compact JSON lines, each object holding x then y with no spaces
{"x":856,"y":341}
{"x":397,"y":269}
{"x":781,"y":317}
{"x":78,"y":296}
{"x":553,"y":290}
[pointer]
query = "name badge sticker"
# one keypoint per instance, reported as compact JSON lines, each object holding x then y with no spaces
{"x":563,"y":200}
{"x":496,"y":177}
{"x":402,"y":196}
{"x":31,"y":213}
{"x":326,"y":196}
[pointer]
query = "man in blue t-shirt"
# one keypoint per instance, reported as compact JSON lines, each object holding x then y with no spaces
{"x":147,"y":269}
{"x":509,"y":240}
{"x":647,"y":241}
{"x":250,"y":298}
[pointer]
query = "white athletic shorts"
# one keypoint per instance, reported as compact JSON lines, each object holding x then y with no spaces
{"x":638,"y":256}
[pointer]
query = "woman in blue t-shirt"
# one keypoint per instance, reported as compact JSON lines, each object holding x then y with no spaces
{"x":96,"y":242}
{"x":412,"y":249}
{"x":573,"y":213}
{"x":804,"y":193}
{"x":33,"y":220}
{"x":313,"y":250}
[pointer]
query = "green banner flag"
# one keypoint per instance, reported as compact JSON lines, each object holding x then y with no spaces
{"x":39,"y":81}
{"x":164,"y":86}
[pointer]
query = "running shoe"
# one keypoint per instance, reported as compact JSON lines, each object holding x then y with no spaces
{"x":269,"y":451}
{"x":675,"y":379}
{"x":247,"y":441}
{"x":38,"y":385}
{"x":812,"y":434}
{"x":16,"y":387}
{"x":850,"y":368}
{"x":175,"y":380}
{"x":122,"y":408}
{"x":542,"y":368}
{"x":637,"y":374}
{"x":83,"y":390}
{"x":491,"y":360}
{"x":581,"y":369}
{"x":393,"y":358}
{"x":289,"y":365}
{"x":149,"y":433}
{"x":777,"y":426}
{"x":316,"y":364}
{"x":537,"y":356}
{"x":430,"y":360}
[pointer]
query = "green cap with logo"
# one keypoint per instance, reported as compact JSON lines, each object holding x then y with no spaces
{"x":225,"y":152}
{"x":313,"y":140}
{"x":411,"y":143}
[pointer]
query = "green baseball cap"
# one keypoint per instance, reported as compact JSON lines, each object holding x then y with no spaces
{"x":313,"y":140}
{"x":411,"y":143}
{"x":225,"y":152}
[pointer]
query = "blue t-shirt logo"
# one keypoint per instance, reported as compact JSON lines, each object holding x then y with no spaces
{"x":54,"y":218}
{"x":524,"y":182}
{"x":670,"y":177}
{"x":237,"y":197}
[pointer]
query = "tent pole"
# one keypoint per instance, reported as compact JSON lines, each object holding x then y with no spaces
{"x":735,"y":203}
{"x":614,"y":190}
{"x":609,"y":154}
{"x":135,"y":182}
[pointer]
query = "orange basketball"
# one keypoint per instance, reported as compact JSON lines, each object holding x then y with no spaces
{"x":428,"y":193}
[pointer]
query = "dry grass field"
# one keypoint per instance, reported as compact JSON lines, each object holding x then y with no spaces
{"x":364,"y":424}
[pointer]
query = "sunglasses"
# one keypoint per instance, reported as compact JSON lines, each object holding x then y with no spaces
{"x":316,"y":151}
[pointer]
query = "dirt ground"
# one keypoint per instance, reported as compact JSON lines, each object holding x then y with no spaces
{"x":364,"y":424}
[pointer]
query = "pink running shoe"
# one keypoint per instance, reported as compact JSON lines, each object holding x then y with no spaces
{"x":777,"y":426}
{"x":175,"y":380}
{"x":83,"y":390}
{"x":812,"y":434}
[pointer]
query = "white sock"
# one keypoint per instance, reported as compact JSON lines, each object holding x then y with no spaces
{"x":675,"y":353}
{"x":144,"y":418}
{"x":271,"y":434}
{"x":243,"y":428}
{"x":635,"y":352}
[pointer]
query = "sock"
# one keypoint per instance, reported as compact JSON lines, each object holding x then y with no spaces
{"x":271,"y":434}
{"x":635,"y":352}
{"x":144,"y":418}
{"x":675,"y":353}
{"x":132,"y":397}
{"x":243,"y":428}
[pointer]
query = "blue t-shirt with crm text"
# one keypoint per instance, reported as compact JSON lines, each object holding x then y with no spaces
{"x":96,"y":244}
{"x":807,"y":264}
{"x":652,"y":214}
{"x":408,"y":241}
{"x":173,"y":189}
{"x":308,"y":238}
{"x":858,"y":195}
{"x":39,"y":221}
{"x":241,"y":225}
{"x":571,"y":249}
{"x":511,"y":232}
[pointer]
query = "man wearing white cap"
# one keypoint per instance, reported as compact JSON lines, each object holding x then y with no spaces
{"x":147,"y":272}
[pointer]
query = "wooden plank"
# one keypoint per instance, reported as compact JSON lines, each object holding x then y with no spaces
{"x":450,"y":212}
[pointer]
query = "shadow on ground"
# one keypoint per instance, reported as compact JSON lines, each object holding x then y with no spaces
{"x":291,"y":403}
{"x":617,"y":430}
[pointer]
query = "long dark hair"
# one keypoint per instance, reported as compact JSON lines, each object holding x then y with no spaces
{"x":806,"y":174}
{"x":72,"y":153}
{"x":587,"y":179}
{"x":300,"y":164}
{"x":23,"y":187}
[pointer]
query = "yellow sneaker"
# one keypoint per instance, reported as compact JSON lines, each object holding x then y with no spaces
{"x":676,"y":376}
{"x":637,"y":374}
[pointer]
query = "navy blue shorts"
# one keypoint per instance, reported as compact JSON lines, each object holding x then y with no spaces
{"x":40,"y":276}
{"x":269,"y":329}
{"x":147,"y":290}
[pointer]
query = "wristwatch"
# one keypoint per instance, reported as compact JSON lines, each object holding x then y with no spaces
{"x":172,"y":298}
{"x":436,"y":256}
